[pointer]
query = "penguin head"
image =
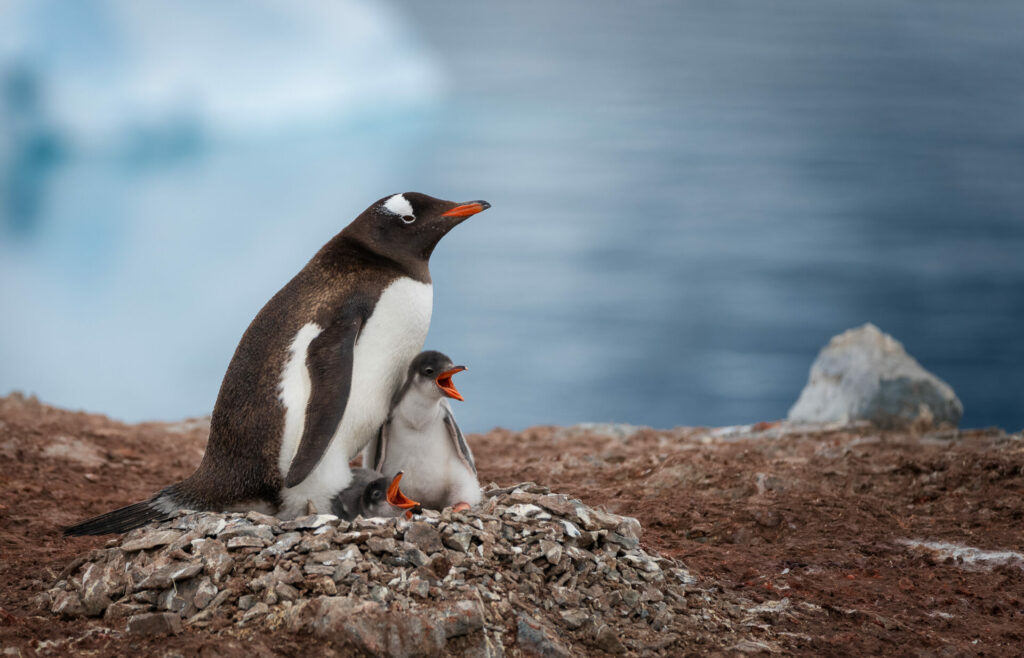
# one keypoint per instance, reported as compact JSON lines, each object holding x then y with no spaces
{"x":430,"y":374}
{"x":407,"y":226}
{"x":369,"y":495}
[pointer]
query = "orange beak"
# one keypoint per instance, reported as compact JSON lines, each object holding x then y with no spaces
{"x":447,"y":386}
{"x":467,"y":209}
{"x":399,"y":499}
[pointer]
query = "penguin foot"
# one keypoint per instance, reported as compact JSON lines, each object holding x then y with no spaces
{"x":461,"y":507}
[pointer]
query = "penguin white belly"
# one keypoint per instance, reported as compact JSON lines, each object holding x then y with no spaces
{"x":391,"y":337}
{"x":434,"y":476}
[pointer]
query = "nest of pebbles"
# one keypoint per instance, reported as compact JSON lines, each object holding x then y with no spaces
{"x":527,"y":571}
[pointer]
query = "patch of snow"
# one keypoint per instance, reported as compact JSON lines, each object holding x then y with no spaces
{"x":968,"y":555}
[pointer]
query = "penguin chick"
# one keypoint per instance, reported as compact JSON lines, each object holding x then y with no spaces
{"x":421,"y":438}
{"x":369,"y":495}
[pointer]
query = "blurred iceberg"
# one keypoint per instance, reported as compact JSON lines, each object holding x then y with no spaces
{"x":148,"y":77}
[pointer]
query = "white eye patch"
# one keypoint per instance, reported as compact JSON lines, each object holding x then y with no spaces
{"x":400,"y":206}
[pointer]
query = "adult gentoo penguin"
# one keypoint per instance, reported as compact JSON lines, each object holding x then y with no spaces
{"x":421,"y":438}
{"x":312,"y":379}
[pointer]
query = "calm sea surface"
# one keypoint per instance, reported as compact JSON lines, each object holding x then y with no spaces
{"x":688,"y":199}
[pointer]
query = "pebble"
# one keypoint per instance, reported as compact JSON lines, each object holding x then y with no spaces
{"x":154,"y":623}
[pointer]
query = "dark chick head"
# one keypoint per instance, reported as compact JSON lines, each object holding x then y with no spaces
{"x":369,"y":495}
{"x":406,"y":227}
{"x":431,"y":374}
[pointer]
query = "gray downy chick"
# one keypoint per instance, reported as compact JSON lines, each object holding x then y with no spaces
{"x":421,"y":438}
{"x":370,"y":495}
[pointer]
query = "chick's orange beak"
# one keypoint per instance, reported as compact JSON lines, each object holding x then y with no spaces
{"x":399,"y":499}
{"x":467,"y":209}
{"x":447,"y":386}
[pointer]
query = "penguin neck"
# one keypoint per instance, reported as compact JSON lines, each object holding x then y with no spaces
{"x":346,"y":247}
{"x":418,"y":409}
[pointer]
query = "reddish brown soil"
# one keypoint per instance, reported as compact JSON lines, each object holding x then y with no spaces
{"x":816,"y":517}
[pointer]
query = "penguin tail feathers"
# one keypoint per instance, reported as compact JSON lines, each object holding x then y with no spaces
{"x":124,"y":519}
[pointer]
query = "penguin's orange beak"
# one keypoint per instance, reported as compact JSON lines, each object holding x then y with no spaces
{"x":467,"y":209}
{"x":447,"y":386}
{"x":399,"y":499}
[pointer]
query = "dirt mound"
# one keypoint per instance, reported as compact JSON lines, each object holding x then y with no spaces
{"x":820,"y":541}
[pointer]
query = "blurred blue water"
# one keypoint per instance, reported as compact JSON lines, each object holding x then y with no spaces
{"x":689,"y":200}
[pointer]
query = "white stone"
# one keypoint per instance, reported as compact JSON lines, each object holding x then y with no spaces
{"x":865,"y":374}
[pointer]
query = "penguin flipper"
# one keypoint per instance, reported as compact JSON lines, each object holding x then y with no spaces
{"x":461,"y":447}
{"x":120,"y":520}
{"x":377,"y":449}
{"x":329,"y":360}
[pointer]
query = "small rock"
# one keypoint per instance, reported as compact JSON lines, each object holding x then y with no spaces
{"x":165,"y":576}
{"x":101,"y":585}
{"x":258,"y":610}
{"x":425,"y":537}
{"x":533,"y":638}
{"x":409,"y":554}
{"x":309,"y":522}
{"x":263,"y":532}
{"x":629,"y":527}
{"x":316,"y":543}
{"x":286,"y":592}
{"x":419,"y":587}
{"x":283,"y":544}
{"x":150,"y":539}
{"x":526,"y":511}
{"x":125,"y":609}
{"x":463,"y":618}
{"x":571,"y":530}
{"x":262,"y":519}
{"x":67,"y":604}
{"x":552,"y":551}
{"x":459,"y":541}
{"x":210,"y":525}
{"x":607,"y":639}
{"x":215,"y":559}
{"x":154,"y":623}
{"x":622,"y":540}
{"x":382,"y":544}
{"x":246,"y":601}
{"x":205,"y":593}
{"x":574,"y":618}
{"x":245,"y":542}
{"x":331,"y":558}
{"x":171,"y":600}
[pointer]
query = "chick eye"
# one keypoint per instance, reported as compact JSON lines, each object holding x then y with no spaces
{"x":376,"y":494}
{"x":428,"y":371}
{"x":408,"y":219}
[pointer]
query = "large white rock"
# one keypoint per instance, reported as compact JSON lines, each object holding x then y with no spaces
{"x":865,"y":374}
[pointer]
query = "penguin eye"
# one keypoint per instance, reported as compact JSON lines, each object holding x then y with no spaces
{"x":428,"y":371}
{"x":408,"y":219}
{"x":376,"y":494}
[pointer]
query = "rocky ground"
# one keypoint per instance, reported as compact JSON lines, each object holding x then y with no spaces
{"x":769,"y":538}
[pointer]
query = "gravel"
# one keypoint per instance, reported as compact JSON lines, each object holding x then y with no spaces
{"x":527,"y":568}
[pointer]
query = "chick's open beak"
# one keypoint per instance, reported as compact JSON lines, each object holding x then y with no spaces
{"x":447,"y":386}
{"x":399,"y":499}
